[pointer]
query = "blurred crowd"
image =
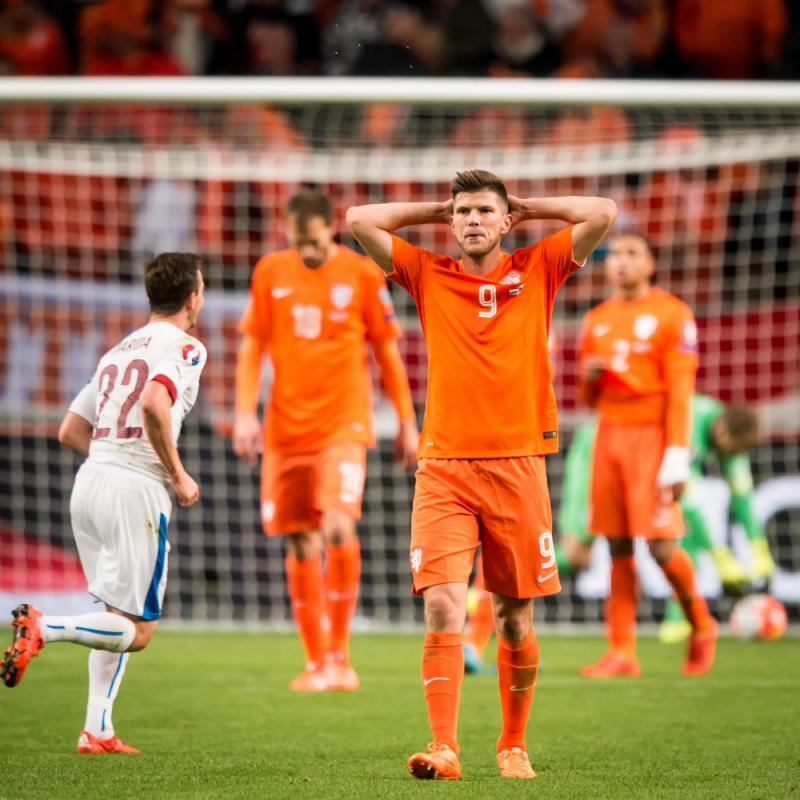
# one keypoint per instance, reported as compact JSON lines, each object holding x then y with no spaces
{"x":724,"y":39}
{"x":55,"y":219}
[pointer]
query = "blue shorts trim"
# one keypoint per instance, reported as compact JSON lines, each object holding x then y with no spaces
{"x":152,"y":606}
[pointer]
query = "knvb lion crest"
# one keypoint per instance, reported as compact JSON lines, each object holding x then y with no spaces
{"x":644,"y":326}
{"x":511,"y":278}
{"x":341,"y":295}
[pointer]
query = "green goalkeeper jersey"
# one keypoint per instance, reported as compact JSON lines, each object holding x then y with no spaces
{"x":573,"y":510}
{"x":734,"y":469}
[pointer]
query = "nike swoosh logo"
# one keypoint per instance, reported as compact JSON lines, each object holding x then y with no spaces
{"x":431,"y":680}
{"x":280,"y":292}
{"x":521,"y":688}
{"x":543,"y":578}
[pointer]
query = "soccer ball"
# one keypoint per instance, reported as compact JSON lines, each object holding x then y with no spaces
{"x":758,"y":616}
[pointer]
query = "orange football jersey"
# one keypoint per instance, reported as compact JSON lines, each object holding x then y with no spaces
{"x":489,"y":389}
{"x":649,"y":350}
{"x":314,"y":324}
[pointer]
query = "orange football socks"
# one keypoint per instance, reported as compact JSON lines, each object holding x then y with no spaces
{"x":442,"y":673}
{"x":621,"y":606}
{"x":342,"y":575}
{"x":680,"y":573}
{"x":304,"y":579}
{"x":517,"y":665}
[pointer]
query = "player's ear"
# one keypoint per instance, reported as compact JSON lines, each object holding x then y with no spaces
{"x":506,"y":226}
{"x":192,"y":301}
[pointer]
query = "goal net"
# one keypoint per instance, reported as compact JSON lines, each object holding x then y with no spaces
{"x":97,"y":176}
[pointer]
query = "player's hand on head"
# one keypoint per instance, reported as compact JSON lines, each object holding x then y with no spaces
{"x":186,"y":489}
{"x":447,"y":210}
{"x":406,"y":443}
{"x":247,"y":437}
{"x":515,"y":209}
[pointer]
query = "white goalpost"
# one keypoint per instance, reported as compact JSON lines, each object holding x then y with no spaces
{"x":96,"y":175}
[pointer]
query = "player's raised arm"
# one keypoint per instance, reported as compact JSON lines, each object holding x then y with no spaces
{"x":156,"y":405}
{"x":592,"y":217}
{"x":373,"y":225}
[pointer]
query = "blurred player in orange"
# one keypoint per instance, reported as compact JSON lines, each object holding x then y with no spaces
{"x":490,"y":418}
{"x":312,"y":310}
{"x":638,"y":359}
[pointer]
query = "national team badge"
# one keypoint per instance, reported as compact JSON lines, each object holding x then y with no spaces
{"x":644,"y":326}
{"x":416,"y":559}
{"x":511,"y":278}
{"x":341,"y":295}
{"x":191,"y":354}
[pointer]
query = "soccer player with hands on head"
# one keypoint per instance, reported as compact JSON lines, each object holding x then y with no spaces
{"x":490,"y":418}
{"x":313,"y":308}
{"x":638,"y":359}
{"x":128,"y":419}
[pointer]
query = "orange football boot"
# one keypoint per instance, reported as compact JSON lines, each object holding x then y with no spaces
{"x":440,"y":763}
{"x":92,"y":745}
{"x":311,"y":679}
{"x":340,"y":676}
{"x":514,"y":763}
{"x":701,"y":651}
{"x":26,"y":643}
{"x":612,"y":665}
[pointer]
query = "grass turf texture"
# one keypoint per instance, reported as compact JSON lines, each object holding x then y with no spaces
{"x":214,"y":718}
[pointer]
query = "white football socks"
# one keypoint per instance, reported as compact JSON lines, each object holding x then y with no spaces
{"x":105,"y":676}
{"x":101,"y":630}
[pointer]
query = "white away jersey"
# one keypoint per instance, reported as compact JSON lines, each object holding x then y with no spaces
{"x":160,"y":352}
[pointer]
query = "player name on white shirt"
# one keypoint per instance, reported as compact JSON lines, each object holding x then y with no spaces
{"x":158,"y":351}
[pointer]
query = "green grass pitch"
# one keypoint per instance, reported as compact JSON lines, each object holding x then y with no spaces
{"x":214,"y":719}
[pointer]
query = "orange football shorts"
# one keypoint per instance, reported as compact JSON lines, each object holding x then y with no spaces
{"x":297,"y":487}
{"x":500,"y":503}
{"x":625,"y":500}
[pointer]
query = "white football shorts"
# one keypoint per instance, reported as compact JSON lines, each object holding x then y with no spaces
{"x":120,"y":519}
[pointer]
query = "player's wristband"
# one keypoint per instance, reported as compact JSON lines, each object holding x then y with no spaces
{"x":674,"y":466}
